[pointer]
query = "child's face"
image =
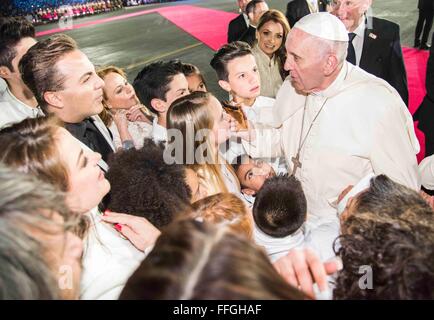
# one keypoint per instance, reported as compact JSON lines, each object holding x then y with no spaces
{"x":195,"y":83}
{"x":178,"y":87}
{"x":221,"y":129}
{"x":253,"y":174}
{"x":243,"y":78}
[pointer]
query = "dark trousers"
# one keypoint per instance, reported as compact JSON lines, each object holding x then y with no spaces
{"x":424,"y":23}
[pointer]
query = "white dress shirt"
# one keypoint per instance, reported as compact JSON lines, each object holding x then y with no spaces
{"x":108,"y":261}
{"x":159,"y":133}
{"x":13,"y":110}
{"x":426,"y":169}
{"x":358,"y":41}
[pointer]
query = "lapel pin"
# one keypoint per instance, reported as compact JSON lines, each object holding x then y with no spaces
{"x":373,"y":36}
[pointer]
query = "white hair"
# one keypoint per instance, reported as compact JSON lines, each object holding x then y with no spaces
{"x":326,"y":47}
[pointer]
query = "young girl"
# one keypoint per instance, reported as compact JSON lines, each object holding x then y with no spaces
{"x":196,"y":81}
{"x":200,"y":118}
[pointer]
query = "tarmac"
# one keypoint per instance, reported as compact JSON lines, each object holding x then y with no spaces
{"x":134,"y":42}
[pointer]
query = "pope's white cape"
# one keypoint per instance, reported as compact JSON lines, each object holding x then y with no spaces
{"x":364,"y":127}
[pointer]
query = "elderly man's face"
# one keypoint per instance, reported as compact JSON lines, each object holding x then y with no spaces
{"x":350,"y":12}
{"x":303,"y":62}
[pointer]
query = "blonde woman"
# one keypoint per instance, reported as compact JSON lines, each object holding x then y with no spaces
{"x":269,"y":51}
{"x":201,"y":126}
{"x":120,"y":103}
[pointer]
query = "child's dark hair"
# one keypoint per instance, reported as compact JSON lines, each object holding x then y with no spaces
{"x":280,"y":207}
{"x":227,"y":53}
{"x":239,"y":160}
{"x":153,"y":81}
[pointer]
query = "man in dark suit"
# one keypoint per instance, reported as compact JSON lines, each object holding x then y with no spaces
{"x":239,"y":25}
{"x":374,"y":45}
{"x":297,"y":9}
{"x":424,"y":23}
{"x":425,"y":112}
{"x":254,"y":10}
{"x":65,"y":84}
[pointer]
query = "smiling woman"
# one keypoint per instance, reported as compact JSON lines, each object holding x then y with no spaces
{"x":123,"y":113}
{"x":269,"y":51}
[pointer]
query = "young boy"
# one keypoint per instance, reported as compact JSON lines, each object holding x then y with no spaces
{"x":157,"y":86}
{"x":238,"y":74}
{"x":279,"y":213}
{"x":252,"y":175}
{"x":17,"y":102}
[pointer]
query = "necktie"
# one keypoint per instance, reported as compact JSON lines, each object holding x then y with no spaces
{"x":351,"y":56}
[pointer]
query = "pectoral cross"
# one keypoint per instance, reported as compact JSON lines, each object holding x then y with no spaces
{"x":297,"y":164}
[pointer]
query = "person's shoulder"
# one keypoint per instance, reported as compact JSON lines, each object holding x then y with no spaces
{"x":380,"y":91}
{"x":262,"y":100}
{"x":384,"y":26}
{"x":294,"y":3}
{"x":236,"y":20}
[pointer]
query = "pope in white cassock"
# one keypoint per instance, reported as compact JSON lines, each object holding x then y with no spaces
{"x":333,"y":122}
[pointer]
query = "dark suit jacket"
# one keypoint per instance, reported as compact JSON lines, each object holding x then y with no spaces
{"x":426,"y":5}
{"x":425,"y":112}
{"x":237,"y":27}
{"x":297,"y":9}
{"x":249,"y":36}
{"x":382,"y":55}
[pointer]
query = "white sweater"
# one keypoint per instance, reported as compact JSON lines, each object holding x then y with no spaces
{"x":108,"y":261}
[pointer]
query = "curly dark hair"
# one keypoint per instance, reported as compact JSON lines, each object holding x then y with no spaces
{"x":391,"y":230}
{"x":142,"y":184}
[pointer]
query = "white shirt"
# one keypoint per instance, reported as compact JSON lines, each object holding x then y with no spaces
{"x":138,"y":130}
{"x":359,"y":40}
{"x":234,"y":147}
{"x":313,"y":5}
{"x":426,"y":168}
{"x":230,"y":180}
{"x":277,"y":247}
{"x":246,"y":19}
{"x":3,"y":85}
{"x":320,"y":235}
{"x":13,"y":110}
{"x":363,"y":128}
{"x":108,"y":261}
{"x":159,"y":133}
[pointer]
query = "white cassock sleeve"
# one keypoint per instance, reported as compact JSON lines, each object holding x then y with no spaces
{"x":426,"y":169}
{"x":394,"y":148}
{"x":267,"y":143}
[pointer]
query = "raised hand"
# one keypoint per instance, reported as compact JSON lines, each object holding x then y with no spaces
{"x":141,"y":233}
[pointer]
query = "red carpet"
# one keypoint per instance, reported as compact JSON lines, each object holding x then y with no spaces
{"x":415,"y":63}
{"x":207,"y":25}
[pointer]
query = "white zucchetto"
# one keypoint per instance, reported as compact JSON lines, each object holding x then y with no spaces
{"x":323,"y":25}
